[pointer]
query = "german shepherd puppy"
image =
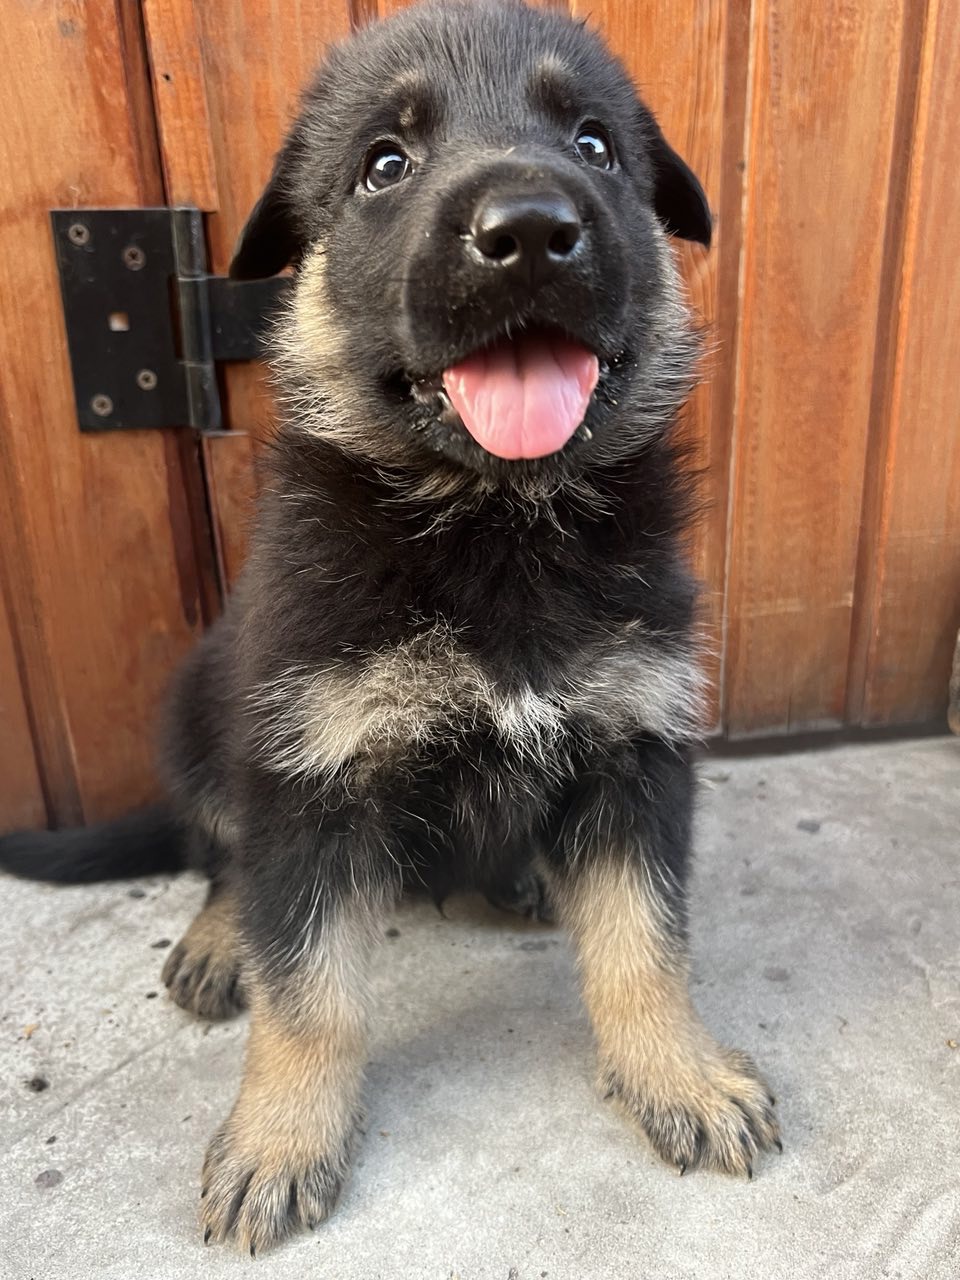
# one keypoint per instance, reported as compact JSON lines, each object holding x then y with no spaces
{"x":463,"y":649}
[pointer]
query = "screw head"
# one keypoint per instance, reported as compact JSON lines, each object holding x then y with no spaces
{"x":78,"y":233}
{"x":146,"y":380}
{"x":134,"y":257}
{"x":101,"y":405}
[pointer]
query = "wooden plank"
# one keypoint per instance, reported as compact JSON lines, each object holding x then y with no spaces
{"x":821,"y":128}
{"x":180,"y":98}
{"x":139,"y":92}
{"x":103,"y":594}
{"x":910,"y":576}
{"x":231,"y":469}
{"x":21,"y":794}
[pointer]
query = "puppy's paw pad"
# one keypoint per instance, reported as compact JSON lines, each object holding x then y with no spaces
{"x":204,"y":982}
{"x":715,"y":1114}
{"x":256,"y":1200}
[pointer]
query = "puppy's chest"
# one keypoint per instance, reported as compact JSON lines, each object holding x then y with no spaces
{"x":351,"y":717}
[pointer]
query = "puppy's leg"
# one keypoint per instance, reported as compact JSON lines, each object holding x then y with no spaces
{"x":617,"y":870}
{"x":311,"y":917}
{"x":203,"y":971}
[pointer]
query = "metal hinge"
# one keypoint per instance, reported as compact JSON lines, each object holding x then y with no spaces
{"x":145,"y":322}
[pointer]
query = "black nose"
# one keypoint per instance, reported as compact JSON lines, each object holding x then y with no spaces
{"x":529,"y":233}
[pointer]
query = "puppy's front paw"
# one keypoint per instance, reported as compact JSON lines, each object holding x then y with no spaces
{"x":258,"y":1188}
{"x":205,"y":982}
{"x":712,"y":1111}
{"x":202,"y":972}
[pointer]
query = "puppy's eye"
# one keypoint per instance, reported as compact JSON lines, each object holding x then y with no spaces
{"x":593,"y":146}
{"x":386,"y":165}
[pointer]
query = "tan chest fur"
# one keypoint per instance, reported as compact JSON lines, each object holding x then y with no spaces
{"x":317,"y":723}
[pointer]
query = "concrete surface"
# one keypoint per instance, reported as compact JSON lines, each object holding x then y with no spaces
{"x":827,"y":923}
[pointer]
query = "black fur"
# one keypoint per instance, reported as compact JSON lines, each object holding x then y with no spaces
{"x":140,"y":844}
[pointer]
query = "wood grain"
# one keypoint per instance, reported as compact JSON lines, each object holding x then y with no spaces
{"x":21,"y":794}
{"x":179,"y":91}
{"x":821,"y":125}
{"x":101,"y":603}
{"x":911,"y":574}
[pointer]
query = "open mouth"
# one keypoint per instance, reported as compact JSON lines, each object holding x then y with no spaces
{"x":521,"y":397}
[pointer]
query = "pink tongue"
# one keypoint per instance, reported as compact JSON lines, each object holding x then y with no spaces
{"x":524,"y":398}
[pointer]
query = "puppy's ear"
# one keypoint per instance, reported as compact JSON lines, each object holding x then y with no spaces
{"x":678,"y":200}
{"x":271,"y":239}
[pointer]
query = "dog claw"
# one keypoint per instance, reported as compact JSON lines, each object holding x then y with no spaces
{"x":207,"y":1234}
{"x":778,"y":1144}
{"x":683,"y":1168}
{"x":253,"y":1251}
{"x":750,"y":1172}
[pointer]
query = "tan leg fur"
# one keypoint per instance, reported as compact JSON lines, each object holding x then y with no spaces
{"x":699,"y":1103}
{"x":280,"y":1160}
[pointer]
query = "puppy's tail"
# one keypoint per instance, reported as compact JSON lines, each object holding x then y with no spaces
{"x":139,"y":844}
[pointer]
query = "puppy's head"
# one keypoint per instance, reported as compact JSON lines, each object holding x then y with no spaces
{"x":477,"y":206}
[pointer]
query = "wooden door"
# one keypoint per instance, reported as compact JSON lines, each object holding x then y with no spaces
{"x":831,"y":545}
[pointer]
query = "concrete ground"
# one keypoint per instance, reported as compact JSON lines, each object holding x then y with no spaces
{"x":827,"y":941}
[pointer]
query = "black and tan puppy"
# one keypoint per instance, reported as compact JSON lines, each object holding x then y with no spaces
{"x":463,"y":649}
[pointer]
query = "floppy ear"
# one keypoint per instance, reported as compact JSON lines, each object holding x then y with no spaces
{"x":679,"y":200}
{"x":272,"y":238}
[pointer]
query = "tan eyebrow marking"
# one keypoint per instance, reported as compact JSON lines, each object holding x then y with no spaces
{"x":412,"y":94}
{"x":552,"y":83}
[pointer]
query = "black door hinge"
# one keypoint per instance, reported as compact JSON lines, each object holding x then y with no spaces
{"x":145,"y":323}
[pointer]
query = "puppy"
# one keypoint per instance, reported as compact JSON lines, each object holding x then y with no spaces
{"x":463,"y":650}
